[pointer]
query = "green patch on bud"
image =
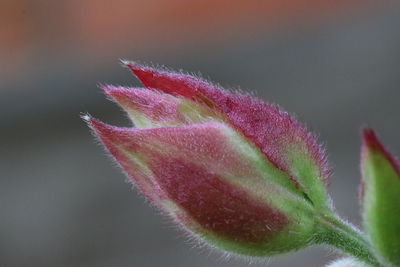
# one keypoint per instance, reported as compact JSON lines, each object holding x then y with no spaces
{"x":141,"y":121}
{"x":309,"y":175}
{"x":270,"y":173}
{"x":194,"y":112}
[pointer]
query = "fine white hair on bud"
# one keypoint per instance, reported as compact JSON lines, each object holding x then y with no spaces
{"x":346,"y":262}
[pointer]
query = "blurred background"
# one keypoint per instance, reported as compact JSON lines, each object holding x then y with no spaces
{"x":63,"y":202}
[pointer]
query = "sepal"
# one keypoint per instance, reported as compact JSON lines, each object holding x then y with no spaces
{"x":213,"y":183}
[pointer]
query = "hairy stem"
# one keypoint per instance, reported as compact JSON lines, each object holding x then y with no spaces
{"x":346,"y":238}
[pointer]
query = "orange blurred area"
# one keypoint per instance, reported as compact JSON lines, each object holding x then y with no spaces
{"x":169,"y":21}
{"x":99,"y":28}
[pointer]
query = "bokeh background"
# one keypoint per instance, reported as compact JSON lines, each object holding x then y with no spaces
{"x":336,"y":64}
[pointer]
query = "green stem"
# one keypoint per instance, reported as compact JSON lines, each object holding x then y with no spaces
{"x":346,"y":238}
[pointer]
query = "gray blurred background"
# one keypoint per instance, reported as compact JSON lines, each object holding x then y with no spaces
{"x":64,"y":203}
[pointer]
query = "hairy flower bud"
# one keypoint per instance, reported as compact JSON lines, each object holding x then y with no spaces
{"x":237,"y":173}
{"x":380,"y":195}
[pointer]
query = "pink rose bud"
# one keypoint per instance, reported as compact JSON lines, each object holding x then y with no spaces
{"x":237,"y":173}
{"x":380,"y":196}
{"x":347,"y":262}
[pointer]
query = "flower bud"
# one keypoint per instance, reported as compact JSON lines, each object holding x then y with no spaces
{"x":380,"y":196}
{"x":238,"y":174}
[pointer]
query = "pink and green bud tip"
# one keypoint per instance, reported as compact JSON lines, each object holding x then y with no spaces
{"x":237,"y":173}
{"x":380,"y":196}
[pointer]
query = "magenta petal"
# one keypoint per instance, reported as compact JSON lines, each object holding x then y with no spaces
{"x":141,"y":102}
{"x":215,"y":204}
{"x":165,"y":81}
